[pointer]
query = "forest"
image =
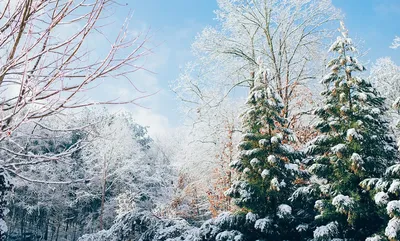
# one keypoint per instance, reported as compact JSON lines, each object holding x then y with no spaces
{"x":288,"y":132}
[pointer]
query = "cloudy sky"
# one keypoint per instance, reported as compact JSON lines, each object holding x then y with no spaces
{"x":174,"y":25}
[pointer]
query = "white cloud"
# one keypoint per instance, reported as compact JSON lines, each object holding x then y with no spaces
{"x":158,"y":125}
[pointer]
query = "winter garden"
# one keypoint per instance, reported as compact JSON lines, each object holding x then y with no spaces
{"x":288,"y":132}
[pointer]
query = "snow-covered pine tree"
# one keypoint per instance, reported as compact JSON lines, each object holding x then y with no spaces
{"x":386,"y":194}
{"x":396,"y":106}
{"x":266,"y":163}
{"x":354,"y":144}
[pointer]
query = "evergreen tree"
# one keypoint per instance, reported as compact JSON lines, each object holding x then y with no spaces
{"x":386,"y":194}
{"x":354,"y":144}
{"x":396,"y":106}
{"x":266,"y":164}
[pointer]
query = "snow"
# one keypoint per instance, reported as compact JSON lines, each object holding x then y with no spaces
{"x":263,"y":224}
{"x":263,"y":142}
{"x":342,"y":203}
{"x":357,"y":161}
{"x":392,"y":230}
{"x":252,"y":152}
{"x":254,"y":162}
{"x":3,"y":226}
{"x":336,"y":45}
{"x":142,"y":226}
{"x":276,"y":185}
{"x":344,"y":109}
{"x":284,"y":211}
{"x":264,"y":173}
{"x":325,"y":188}
{"x":352,"y":133}
{"x":272,"y":159}
{"x":339,"y":148}
{"x":301,"y":192}
{"x":375,"y":238}
{"x":381,"y":198}
{"x":369,"y":117}
{"x":394,"y":187}
{"x":355,"y":157}
{"x":292,"y":167}
{"x":316,"y":167}
{"x":333,"y":123}
{"x":302,"y":227}
{"x":334,"y":68}
{"x":362,"y":96}
{"x":319,"y":205}
{"x":274,"y":140}
{"x":246,"y":170}
{"x":251,"y":217}
{"x":326,"y":232}
{"x":393,"y":208}
{"x":381,"y":185}
{"x":375,"y":111}
{"x":328,"y":78}
{"x":258,"y":95}
{"x":320,"y":139}
{"x":393,"y":170}
{"x":231,"y":235}
{"x":370,"y":183}
{"x":396,"y":103}
{"x":236,"y":164}
{"x":327,"y":107}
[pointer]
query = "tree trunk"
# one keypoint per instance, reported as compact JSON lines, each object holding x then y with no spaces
{"x":103,"y":194}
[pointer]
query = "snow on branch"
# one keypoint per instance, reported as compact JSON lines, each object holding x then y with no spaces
{"x":396,"y":43}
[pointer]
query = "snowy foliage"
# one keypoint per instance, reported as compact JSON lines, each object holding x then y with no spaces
{"x":142,"y":226}
{"x":302,"y":193}
{"x":343,"y":203}
{"x":381,"y":198}
{"x":229,"y":236}
{"x":394,"y":187}
{"x":392,"y":230}
{"x":319,"y":205}
{"x":115,"y":154}
{"x":375,"y":238}
{"x":264,"y":224}
{"x":385,"y":74}
{"x":339,"y":148}
{"x":396,"y":103}
{"x":284,"y":211}
{"x":327,"y":232}
{"x":393,"y":208}
{"x":352,"y":133}
{"x":251,"y":217}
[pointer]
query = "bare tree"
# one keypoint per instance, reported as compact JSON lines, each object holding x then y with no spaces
{"x":285,"y":36}
{"x":385,"y":75}
{"x":46,"y":67}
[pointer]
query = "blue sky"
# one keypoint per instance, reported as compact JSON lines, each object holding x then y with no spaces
{"x":175,"y":24}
